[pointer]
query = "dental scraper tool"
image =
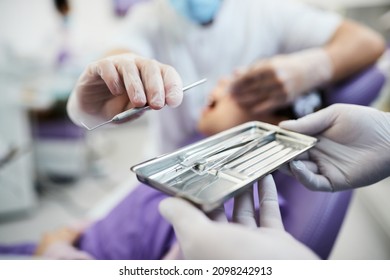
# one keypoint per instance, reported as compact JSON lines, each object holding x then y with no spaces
{"x":131,"y":113}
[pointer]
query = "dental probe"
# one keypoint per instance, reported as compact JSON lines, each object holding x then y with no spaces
{"x":128,"y":114}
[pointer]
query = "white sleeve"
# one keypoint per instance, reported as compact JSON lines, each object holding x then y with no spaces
{"x":136,"y":32}
{"x":301,"y":26}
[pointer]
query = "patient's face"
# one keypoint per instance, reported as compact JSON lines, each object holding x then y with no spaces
{"x":223,"y":112}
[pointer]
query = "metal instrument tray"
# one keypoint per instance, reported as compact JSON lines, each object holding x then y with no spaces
{"x":219,"y":167}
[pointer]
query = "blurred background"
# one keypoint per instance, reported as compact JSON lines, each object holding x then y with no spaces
{"x":53,"y":173}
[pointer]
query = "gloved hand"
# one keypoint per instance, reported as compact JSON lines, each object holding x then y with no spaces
{"x":117,"y":83}
{"x":202,"y":238}
{"x":277,"y":82}
{"x":353,"y":151}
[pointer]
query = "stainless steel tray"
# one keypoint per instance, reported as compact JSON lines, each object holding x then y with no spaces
{"x":219,"y":167}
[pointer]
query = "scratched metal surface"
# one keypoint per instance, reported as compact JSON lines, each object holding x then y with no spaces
{"x":219,"y":167}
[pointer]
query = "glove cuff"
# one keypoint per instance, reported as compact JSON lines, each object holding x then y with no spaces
{"x":303,"y":71}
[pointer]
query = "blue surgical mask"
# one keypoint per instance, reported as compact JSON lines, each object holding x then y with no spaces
{"x":199,"y":11}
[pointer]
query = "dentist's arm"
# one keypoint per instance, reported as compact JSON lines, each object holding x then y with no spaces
{"x":278,"y":81}
{"x":345,"y":49}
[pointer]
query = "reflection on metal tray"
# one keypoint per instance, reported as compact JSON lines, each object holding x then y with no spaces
{"x":217,"y":168}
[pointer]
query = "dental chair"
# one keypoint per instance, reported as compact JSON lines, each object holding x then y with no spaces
{"x":60,"y":149}
{"x":315,"y":218}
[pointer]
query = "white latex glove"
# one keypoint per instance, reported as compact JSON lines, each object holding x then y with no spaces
{"x":277,"y":82}
{"x":117,"y":83}
{"x":202,"y":238}
{"x":353,"y":151}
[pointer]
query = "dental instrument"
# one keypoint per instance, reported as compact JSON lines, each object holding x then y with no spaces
{"x":133,"y":112}
{"x":219,"y":167}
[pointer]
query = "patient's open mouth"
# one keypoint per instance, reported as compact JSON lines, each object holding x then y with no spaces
{"x":210,"y":106}
{"x":212,"y":103}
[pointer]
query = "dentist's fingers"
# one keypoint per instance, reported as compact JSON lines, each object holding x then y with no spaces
{"x":252,"y":78}
{"x":305,"y":174}
{"x":132,"y":80}
{"x":153,"y":82}
{"x":144,"y":80}
{"x":312,"y":124}
{"x":270,"y":216}
{"x":108,"y":73}
{"x":218,"y":214}
{"x":244,"y":209}
{"x":267,"y":107}
{"x":173,"y":86}
{"x":183,"y":216}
